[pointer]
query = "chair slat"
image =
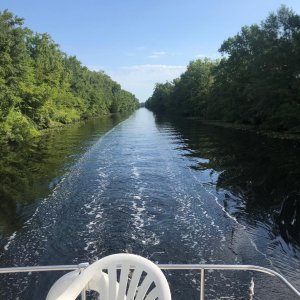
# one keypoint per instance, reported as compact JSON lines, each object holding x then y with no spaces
{"x":142,"y":290}
{"x":134,"y":283}
{"x":123,"y":282}
{"x":153,"y":294}
{"x":112,"y":282}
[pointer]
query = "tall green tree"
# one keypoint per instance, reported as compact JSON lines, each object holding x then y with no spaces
{"x":256,"y":82}
{"x":42,"y":87}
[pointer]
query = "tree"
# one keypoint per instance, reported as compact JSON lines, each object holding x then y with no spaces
{"x":256,"y":82}
{"x":42,"y":87}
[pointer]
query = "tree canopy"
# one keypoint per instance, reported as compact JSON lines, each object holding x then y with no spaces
{"x":42,"y":87}
{"x":256,"y":82}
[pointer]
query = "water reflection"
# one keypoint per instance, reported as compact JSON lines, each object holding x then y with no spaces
{"x":28,"y":173}
{"x":158,"y":189}
{"x":259,"y":176}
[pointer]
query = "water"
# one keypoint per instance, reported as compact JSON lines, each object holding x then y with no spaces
{"x":172,"y":191}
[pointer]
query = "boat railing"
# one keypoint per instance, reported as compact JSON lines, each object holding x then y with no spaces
{"x":201,"y":268}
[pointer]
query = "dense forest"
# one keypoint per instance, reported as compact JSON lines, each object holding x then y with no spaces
{"x":42,"y":87}
{"x":256,"y":82}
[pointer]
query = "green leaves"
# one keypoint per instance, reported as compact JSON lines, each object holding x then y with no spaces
{"x":256,"y":82}
{"x":17,"y":128}
{"x":187,"y":95}
{"x":42,"y":87}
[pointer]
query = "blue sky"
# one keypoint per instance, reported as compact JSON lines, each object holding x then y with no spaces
{"x":140,"y":42}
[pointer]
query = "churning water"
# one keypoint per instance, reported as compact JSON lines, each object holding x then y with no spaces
{"x":153,"y":188}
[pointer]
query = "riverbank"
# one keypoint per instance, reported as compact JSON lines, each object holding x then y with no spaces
{"x":251,"y":128}
{"x":57,"y":127}
{"x":61,"y":126}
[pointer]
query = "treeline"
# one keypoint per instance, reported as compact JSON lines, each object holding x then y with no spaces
{"x":42,"y":87}
{"x":256,"y":82}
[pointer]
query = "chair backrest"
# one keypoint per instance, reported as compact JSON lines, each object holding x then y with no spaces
{"x":121,"y":277}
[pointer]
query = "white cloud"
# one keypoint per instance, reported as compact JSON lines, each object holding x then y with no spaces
{"x":157,"y":54}
{"x":141,"y":79}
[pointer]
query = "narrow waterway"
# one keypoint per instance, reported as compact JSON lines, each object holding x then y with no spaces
{"x":172,"y":191}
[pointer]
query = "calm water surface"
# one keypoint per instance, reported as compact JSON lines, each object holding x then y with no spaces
{"x":172,"y":191}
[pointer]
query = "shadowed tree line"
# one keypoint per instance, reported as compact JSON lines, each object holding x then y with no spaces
{"x":42,"y":87}
{"x":257,"y":80}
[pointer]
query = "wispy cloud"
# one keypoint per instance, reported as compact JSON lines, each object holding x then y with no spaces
{"x":157,"y":54}
{"x":155,"y":67}
{"x":141,"y":79}
{"x":210,"y":55}
{"x":95,"y":68}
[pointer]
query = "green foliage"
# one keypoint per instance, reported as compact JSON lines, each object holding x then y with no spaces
{"x":256,"y":82}
{"x":187,"y":95}
{"x":42,"y":87}
{"x":17,"y":128}
{"x":161,"y":98}
{"x":14,"y":60}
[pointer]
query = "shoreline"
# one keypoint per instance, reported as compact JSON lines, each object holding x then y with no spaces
{"x":58,"y":127}
{"x":251,"y":128}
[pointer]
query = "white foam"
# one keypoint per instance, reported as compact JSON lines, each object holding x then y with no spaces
{"x":263,"y":254}
{"x":10,"y":239}
{"x":226,"y":212}
{"x":102,"y":174}
{"x":251,"y":288}
{"x":243,"y":227}
{"x":135,"y":172}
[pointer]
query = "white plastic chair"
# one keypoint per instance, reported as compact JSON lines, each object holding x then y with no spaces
{"x":115,"y":277}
